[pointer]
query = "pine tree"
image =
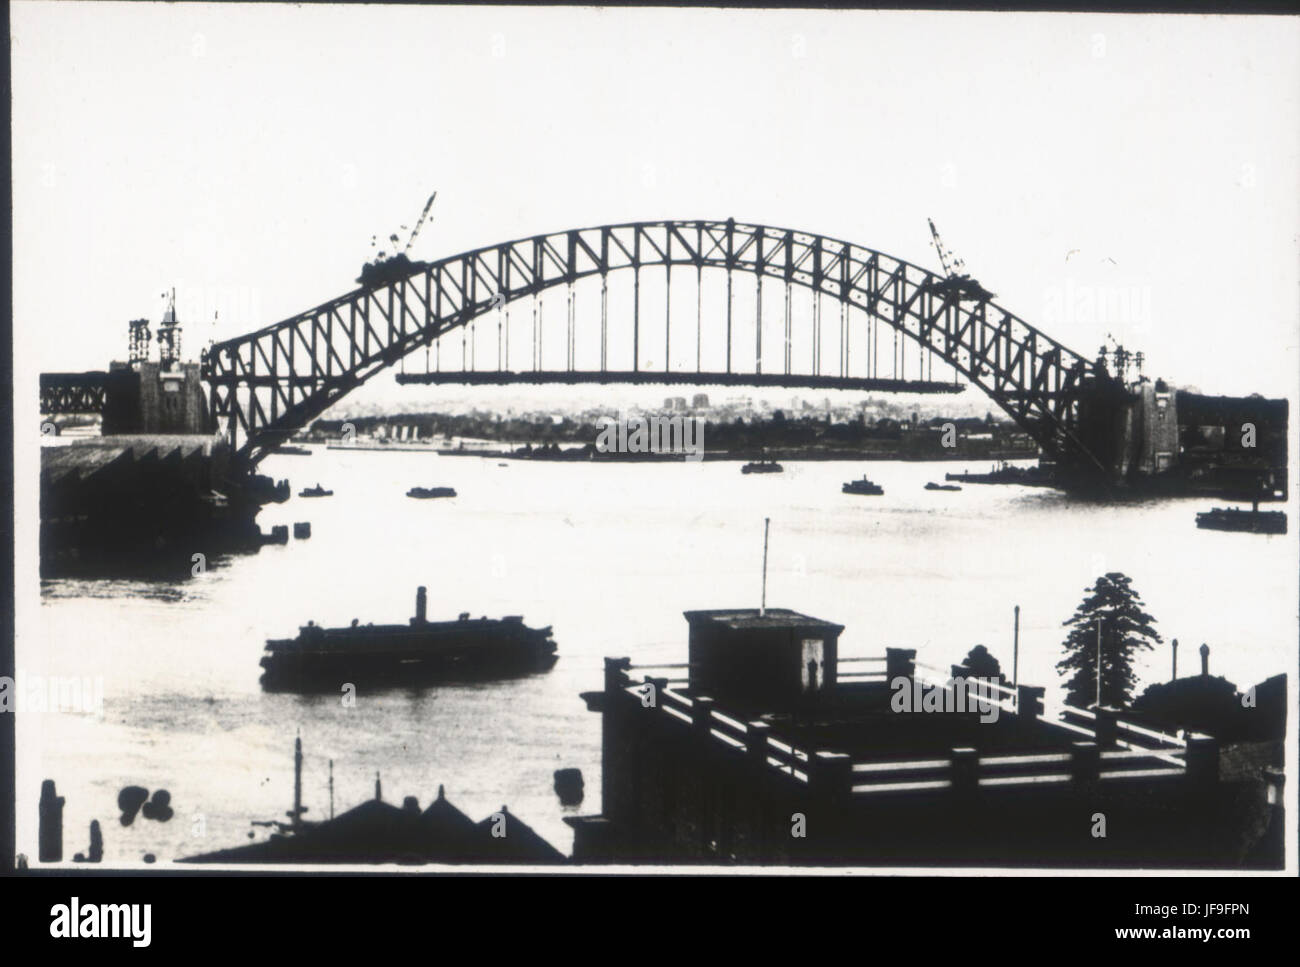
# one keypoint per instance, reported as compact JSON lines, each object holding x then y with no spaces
{"x":1125,"y":629}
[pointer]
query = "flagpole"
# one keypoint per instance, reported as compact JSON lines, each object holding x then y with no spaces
{"x":1098,"y":662}
{"x":1015,"y":655}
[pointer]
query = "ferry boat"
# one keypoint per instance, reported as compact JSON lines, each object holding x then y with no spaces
{"x":1250,"y":521}
{"x":934,"y":486}
{"x":863,"y":487}
{"x":427,"y":493}
{"x":419,"y":652}
{"x":762,"y":466}
{"x":317,"y":491}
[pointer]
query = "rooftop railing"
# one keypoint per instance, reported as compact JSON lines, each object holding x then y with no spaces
{"x":872,"y":669}
{"x":1111,"y":750}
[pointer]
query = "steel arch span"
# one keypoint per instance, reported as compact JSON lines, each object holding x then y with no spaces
{"x":269,"y":383}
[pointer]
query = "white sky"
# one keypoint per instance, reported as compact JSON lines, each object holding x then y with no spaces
{"x":246,"y":155}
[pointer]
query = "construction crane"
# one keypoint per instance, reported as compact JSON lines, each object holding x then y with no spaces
{"x":420,"y":224}
{"x":390,"y":268}
{"x":1122,"y":360}
{"x":957,"y":282}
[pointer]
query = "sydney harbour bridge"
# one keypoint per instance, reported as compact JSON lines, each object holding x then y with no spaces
{"x":267,"y":384}
{"x":264,"y":386}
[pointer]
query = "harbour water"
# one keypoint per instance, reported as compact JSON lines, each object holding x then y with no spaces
{"x":610,"y":555}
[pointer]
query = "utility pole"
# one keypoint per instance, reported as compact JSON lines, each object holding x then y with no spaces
{"x":1175,"y":678}
{"x":762,"y":607}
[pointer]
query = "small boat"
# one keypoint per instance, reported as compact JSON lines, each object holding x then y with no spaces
{"x":934,"y":486}
{"x":294,"y":451}
{"x":864,"y":487}
{"x":1249,"y":521}
{"x":317,"y":491}
{"x":762,"y":466}
{"x":427,"y":493}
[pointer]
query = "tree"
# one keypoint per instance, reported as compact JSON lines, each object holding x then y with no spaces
{"x":1125,"y":629}
{"x":1201,"y":703}
{"x":981,"y":664}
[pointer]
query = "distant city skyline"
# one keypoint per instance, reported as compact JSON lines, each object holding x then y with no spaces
{"x":970,"y":402}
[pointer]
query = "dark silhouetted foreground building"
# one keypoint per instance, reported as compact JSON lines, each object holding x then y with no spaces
{"x":379,"y":832}
{"x":775,"y":751}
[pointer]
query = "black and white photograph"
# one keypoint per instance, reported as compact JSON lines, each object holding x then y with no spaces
{"x":617,"y":440}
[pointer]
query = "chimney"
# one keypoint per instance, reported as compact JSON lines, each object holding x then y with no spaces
{"x":1205,"y":659}
{"x":421,"y":605}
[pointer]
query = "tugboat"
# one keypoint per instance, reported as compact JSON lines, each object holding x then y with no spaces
{"x":1253,"y":521}
{"x":762,"y":466}
{"x":317,"y":491}
{"x":427,"y":493}
{"x":934,"y":486}
{"x":420,"y":652}
{"x":863,"y":487}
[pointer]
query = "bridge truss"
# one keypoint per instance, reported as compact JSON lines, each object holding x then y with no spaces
{"x":67,"y":393}
{"x":269,"y":383}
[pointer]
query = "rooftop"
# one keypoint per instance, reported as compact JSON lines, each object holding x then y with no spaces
{"x":881,"y":748}
{"x":82,"y":458}
{"x":753,"y":618}
{"x":379,"y":832}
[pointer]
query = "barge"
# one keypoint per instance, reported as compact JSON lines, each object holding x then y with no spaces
{"x":1249,"y":521}
{"x":428,"y":493}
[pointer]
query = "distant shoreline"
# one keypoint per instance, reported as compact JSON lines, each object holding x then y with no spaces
{"x":585,"y":455}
